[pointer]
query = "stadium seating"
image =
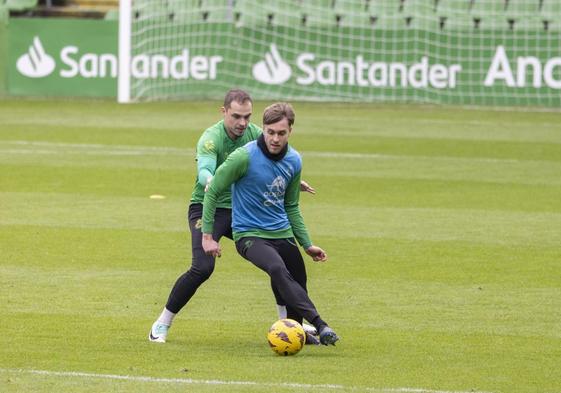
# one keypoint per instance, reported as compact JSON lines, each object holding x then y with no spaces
{"x":492,"y":14}
{"x":294,"y":13}
{"x":245,"y":14}
{"x":213,"y":11}
{"x":455,"y":14}
{"x":376,"y":14}
{"x":352,"y":13}
{"x":186,"y":11}
{"x":283,"y":13}
{"x":523,"y":14}
{"x":420,"y":13}
{"x":257,"y":13}
{"x":489,"y":14}
{"x":454,"y":6}
{"x":20,"y":5}
{"x":318,"y":13}
{"x":550,"y":15}
{"x":385,"y":7}
{"x":95,"y":9}
{"x":552,"y":7}
{"x":387,"y":14}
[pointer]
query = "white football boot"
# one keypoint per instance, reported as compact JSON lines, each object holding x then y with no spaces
{"x":158,"y":332}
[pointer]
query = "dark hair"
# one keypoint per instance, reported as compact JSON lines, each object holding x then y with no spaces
{"x":278,"y":111}
{"x":237,"y":95}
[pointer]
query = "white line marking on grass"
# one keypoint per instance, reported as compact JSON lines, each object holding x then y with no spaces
{"x":371,"y":156}
{"x":21,"y":151}
{"x":190,"y":381}
{"x":130,"y":150}
{"x":95,"y":149}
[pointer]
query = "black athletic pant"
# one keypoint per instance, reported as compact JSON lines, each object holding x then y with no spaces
{"x":202,"y":265}
{"x":282,"y":261}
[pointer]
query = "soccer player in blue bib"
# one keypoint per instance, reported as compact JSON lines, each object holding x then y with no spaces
{"x":264,"y":178}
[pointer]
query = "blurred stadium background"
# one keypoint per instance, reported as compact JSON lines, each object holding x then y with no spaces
{"x":469,"y":52}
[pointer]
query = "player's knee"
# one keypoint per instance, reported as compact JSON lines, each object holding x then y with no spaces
{"x":206,"y":272}
{"x":277,"y":271}
{"x":203,"y":272}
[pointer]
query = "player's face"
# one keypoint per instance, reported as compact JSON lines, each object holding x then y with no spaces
{"x":276,"y":135}
{"x":236,"y":118}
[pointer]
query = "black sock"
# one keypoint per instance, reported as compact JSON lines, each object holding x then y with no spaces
{"x":318,"y":323}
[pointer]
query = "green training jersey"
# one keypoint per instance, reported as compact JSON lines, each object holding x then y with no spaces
{"x":213,"y":148}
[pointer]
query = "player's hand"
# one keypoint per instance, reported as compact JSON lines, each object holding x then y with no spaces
{"x":316,"y":253}
{"x":305,"y":187}
{"x":208,"y":180}
{"x":211,"y":246}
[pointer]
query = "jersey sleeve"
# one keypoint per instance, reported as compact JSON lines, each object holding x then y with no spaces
{"x":292,"y":207}
{"x":206,"y":158}
{"x":231,"y":170}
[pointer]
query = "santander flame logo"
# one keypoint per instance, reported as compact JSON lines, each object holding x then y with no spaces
{"x":273,"y":70}
{"x":36,"y":63}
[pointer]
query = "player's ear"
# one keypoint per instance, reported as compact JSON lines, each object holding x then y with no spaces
{"x":223,"y":110}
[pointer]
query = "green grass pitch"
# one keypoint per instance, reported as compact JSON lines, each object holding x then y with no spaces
{"x":442,"y":224}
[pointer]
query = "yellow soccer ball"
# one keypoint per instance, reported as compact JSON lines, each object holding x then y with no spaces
{"x":286,"y":337}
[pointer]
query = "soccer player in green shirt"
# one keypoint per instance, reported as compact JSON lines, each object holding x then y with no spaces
{"x":264,"y":176}
{"x":214,"y":146}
